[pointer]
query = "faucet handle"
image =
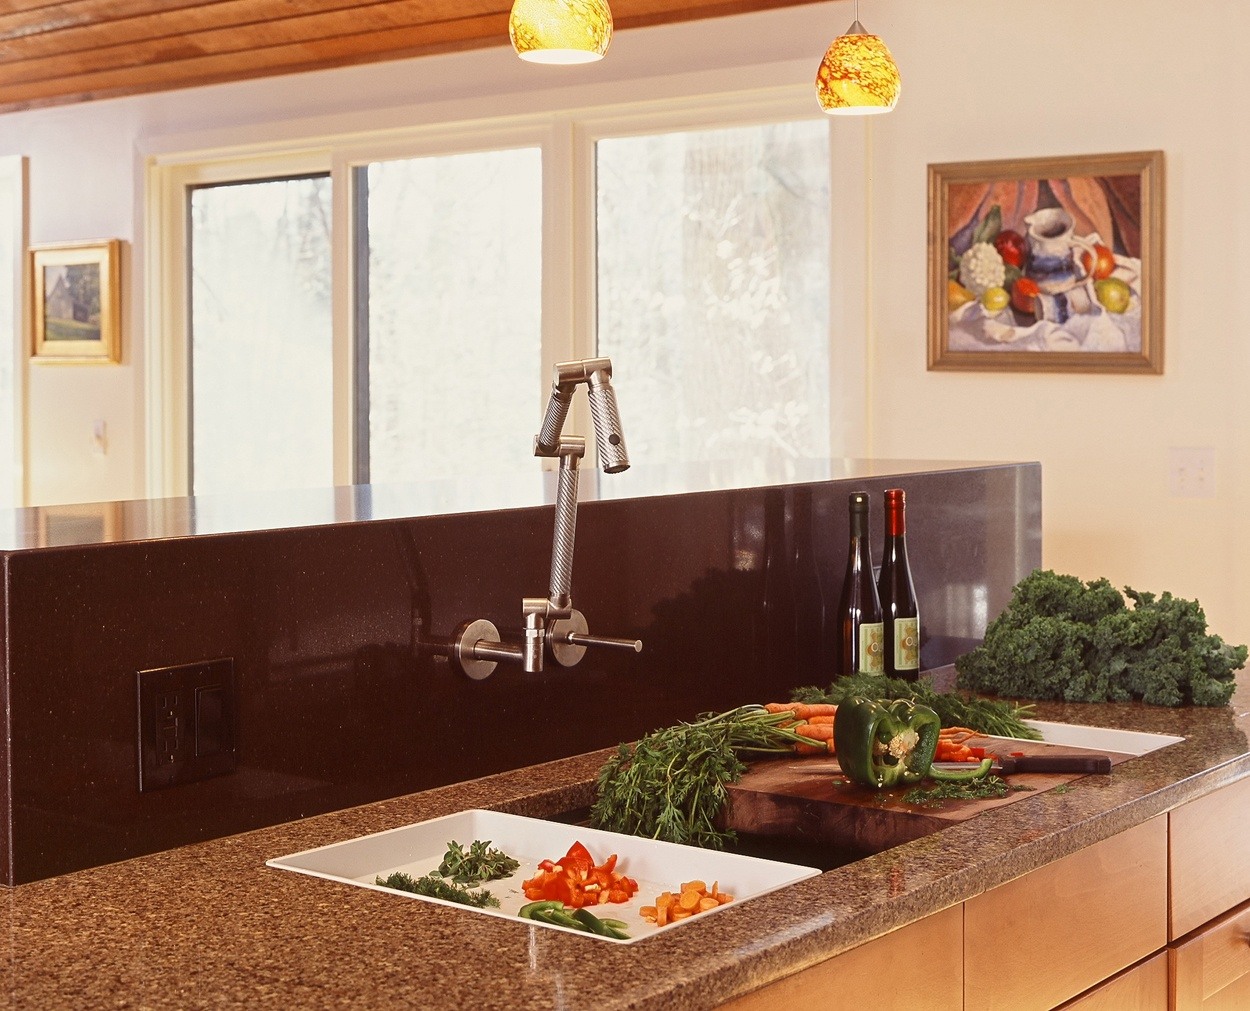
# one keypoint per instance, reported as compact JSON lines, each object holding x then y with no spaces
{"x":568,"y":639}
{"x":476,"y":651}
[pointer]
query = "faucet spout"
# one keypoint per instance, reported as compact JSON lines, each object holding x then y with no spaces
{"x":551,"y":620}
{"x":596,"y":373}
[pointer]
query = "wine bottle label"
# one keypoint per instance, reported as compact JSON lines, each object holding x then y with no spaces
{"x":906,"y":643}
{"x":872,"y":648}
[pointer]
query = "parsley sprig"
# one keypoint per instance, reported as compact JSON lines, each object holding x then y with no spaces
{"x":480,"y":863}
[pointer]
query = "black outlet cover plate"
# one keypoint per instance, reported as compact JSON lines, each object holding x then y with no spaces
{"x":187,"y":723}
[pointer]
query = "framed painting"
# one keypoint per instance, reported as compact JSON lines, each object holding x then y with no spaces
{"x":1047,"y":264}
{"x":75,"y":302}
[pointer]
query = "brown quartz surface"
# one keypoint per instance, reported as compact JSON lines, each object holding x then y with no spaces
{"x":208,"y":925}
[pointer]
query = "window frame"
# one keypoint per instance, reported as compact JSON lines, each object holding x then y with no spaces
{"x":567,"y":140}
{"x":14,"y":175}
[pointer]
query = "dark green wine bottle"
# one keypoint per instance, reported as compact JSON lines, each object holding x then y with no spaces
{"x":859,"y":610}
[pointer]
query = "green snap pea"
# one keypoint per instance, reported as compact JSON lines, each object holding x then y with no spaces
{"x":530,"y":908}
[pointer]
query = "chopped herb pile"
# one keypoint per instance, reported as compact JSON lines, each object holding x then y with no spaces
{"x":480,"y":863}
{"x":986,"y":716}
{"x":437,"y":888}
{"x":976,"y":789}
{"x":1060,"y":638}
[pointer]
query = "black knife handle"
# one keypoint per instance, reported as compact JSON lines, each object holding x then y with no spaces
{"x":1082,"y":764}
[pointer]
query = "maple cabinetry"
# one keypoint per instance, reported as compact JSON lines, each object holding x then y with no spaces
{"x":1157,"y":916}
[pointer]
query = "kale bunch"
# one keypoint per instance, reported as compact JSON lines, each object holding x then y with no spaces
{"x":1060,"y":638}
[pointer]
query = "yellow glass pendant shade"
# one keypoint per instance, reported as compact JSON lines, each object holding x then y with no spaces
{"x":560,"y":31}
{"x":858,"y":75}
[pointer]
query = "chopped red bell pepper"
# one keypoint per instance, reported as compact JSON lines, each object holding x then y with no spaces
{"x":576,"y":880}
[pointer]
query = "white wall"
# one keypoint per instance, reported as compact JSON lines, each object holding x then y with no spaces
{"x":982,"y":79}
{"x":985,"y":80}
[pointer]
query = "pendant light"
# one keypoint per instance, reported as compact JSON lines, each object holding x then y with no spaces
{"x":858,"y":75}
{"x":560,"y":31}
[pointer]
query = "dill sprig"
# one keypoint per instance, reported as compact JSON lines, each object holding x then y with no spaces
{"x":672,"y":784}
{"x":993,"y":717}
{"x":435,"y":887}
{"x":936,"y":795}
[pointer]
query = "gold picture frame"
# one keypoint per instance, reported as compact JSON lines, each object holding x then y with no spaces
{"x":1072,"y":279}
{"x":75,"y":302}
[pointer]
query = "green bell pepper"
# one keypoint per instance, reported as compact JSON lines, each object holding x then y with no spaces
{"x":888,"y":744}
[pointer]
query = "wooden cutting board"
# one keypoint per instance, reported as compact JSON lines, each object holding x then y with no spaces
{"x":806,"y":798}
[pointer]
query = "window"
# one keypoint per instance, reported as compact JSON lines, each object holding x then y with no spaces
{"x":260,"y":335}
{"x":713,"y":268}
{"x":394,"y":315}
{"x":449,"y":331}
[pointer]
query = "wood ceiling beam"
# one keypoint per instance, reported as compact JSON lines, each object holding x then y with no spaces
{"x":79,"y":50}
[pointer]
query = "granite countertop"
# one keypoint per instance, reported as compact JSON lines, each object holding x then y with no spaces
{"x":210,"y":925}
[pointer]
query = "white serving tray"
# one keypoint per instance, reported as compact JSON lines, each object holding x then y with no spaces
{"x":656,"y":866}
{"x":1124,"y":742}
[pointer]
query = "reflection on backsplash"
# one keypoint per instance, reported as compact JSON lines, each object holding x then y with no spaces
{"x":339,"y":704}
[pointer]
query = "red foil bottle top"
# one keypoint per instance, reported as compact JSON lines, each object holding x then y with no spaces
{"x":895,"y":503}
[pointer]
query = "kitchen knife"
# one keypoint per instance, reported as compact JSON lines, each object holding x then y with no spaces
{"x":1081,"y":765}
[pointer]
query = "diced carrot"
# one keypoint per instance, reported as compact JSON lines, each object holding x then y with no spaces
{"x":681,"y":914}
{"x":696,"y":886}
{"x":647,"y":912}
{"x":709,"y":902}
{"x":661,"y":915}
{"x":689,"y":900}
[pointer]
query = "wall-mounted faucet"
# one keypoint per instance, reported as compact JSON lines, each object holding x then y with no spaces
{"x":551,"y":621}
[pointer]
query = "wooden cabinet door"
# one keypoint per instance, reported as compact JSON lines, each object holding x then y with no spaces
{"x":917,"y":966}
{"x":1211,"y":970}
{"x":1059,"y":930}
{"x":1210,"y":837}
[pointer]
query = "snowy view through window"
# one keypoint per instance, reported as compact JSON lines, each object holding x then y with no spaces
{"x":713,"y":262}
{"x":261,"y":395}
{"x":712,"y":287}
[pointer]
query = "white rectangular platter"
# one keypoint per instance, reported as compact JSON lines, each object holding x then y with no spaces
{"x":1124,"y":742}
{"x":656,"y":866}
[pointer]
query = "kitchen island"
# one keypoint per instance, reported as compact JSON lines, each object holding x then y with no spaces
{"x":209,"y":925}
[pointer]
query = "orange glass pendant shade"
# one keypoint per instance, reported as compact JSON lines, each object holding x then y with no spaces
{"x":858,"y":75}
{"x":560,"y":31}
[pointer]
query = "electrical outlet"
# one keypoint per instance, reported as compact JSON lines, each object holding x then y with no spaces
{"x":186,"y":723}
{"x":1191,"y":472}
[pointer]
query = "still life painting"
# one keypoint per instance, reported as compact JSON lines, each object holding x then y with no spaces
{"x":1047,"y":264}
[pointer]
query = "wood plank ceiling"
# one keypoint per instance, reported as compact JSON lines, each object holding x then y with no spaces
{"x":77,"y":50}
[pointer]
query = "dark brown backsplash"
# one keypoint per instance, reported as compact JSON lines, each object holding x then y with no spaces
{"x":340,"y":703}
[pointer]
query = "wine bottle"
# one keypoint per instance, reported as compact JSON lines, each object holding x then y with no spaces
{"x":899,"y":610}
{"x":859,"y":608}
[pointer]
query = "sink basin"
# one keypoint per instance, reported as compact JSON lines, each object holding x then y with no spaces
{"x":656,"y":866}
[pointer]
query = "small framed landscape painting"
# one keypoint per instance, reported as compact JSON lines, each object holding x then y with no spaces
{"x":1047,"y":264}
{"x":75,"y":302}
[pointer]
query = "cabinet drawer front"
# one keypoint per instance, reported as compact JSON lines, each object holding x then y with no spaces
{"x":917,"y":966}
{"x":1143,"y":987}
{"x":1070,"y":924}
{"x":1210,"y":872}
{"x":1212,"y":968}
